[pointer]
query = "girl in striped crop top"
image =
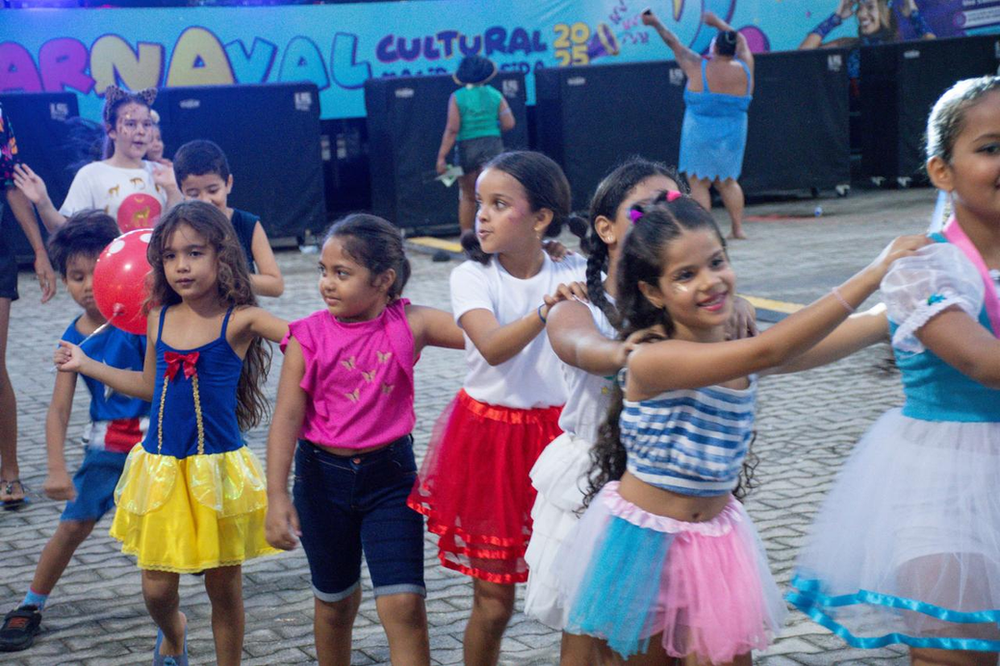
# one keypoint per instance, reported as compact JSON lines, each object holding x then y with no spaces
{"x":665,"y":550}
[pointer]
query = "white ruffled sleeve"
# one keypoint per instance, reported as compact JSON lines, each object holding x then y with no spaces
{"x":919,"y":287}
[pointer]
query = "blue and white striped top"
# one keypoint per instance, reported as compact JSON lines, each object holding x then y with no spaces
{"x":690,"y":441}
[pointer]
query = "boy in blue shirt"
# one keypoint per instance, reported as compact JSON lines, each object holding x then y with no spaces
{"x":117,"y":422}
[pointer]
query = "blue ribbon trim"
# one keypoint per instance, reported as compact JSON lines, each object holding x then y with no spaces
{"x":808,"y":599}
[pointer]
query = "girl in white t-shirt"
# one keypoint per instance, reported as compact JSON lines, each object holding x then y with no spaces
{"x":474,"y":486}
{"x":124,"y":185}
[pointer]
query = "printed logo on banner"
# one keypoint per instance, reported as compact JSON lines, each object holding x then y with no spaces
{"x":911,"y":54}
{"x":190,"y":103}
{"x":404,"y":93}
{"x":676,"y":76}
{"x":511,"y":87}
{"x":834,"y":62}
{"x":576,"y":81}
{"x":59,"y":110}
{"x":303,"y":101}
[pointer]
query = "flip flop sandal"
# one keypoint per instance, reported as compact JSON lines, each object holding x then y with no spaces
{"x":13,"y":504}
{"x":20,"y":626}
{"x":171,"y":659}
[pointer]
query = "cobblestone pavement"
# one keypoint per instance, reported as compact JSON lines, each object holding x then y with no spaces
{"x":807,"y":425}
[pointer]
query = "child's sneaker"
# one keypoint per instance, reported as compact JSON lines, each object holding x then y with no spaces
{"x":20,"y":626}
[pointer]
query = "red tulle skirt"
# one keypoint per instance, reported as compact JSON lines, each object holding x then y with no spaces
{"x":474,"y":486}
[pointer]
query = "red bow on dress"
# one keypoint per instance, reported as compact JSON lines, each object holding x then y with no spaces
{"x":175,"y":361}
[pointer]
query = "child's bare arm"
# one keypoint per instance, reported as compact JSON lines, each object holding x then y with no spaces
{"x":267,"y":281}
{"x":433,"y":328}
{"x":963,"y":343}
{"x":577,"y":341}
{"x":258,"y":322}
{"x":58,"y":484}
{"x":857,"y":332}
{"x":282,"y":522}
{"x":138,"y":384}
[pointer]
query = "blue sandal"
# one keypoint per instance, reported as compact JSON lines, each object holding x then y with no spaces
{"x":172,"y":659}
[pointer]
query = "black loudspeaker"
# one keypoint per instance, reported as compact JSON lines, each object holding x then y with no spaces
{"x":798,"y":135}
{"x":43,"y":141}
{"x":899,"y":85}
{"x":591,"y":118}
{"x":271,"y":136}
{"x":406,"y":118}
{"x":346,"y":173}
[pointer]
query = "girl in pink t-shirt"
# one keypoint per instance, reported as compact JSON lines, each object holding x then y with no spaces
{"x":346,"y":396}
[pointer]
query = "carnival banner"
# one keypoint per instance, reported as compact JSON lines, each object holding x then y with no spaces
{"x":339,"y":46}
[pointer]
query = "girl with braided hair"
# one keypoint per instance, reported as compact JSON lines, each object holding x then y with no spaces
{"x":127,"y":187}
{"x":584,"y":336}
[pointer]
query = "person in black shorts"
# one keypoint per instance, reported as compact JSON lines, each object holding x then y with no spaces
{"x":11,"y":489}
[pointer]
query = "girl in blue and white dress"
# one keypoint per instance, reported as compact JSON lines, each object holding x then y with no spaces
{"x":906,"y":548}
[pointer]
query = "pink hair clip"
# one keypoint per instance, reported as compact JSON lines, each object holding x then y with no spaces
{"x":635,"y":214}
{"x":673,"y":195}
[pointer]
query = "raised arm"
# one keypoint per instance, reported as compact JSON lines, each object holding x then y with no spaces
{"x":281,"y":526}
{"x":743,"y":51}
{"x":845,"y":9}
{"x":138,"y":384}
{"x":577,"y":341}
{"x":33,"y":187}
{"x":673,"y":364}
{"x":857,"y":332}
{"x":911,"y":13}
{"x":685,"y":57}
{"x":450,"y":132}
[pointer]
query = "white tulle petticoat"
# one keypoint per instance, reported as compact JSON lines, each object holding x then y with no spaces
{"x":906,"y":548}
{"x":559,"y":476}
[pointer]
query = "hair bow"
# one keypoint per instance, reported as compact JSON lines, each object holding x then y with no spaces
{"x":636,"y":213}
{"x":176,"y":361}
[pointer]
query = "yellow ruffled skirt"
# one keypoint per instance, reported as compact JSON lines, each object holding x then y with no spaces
{"x":186,"y":515}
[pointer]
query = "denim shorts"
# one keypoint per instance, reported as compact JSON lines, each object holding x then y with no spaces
{"x":95,"y":483}
{"x":357,"y":504}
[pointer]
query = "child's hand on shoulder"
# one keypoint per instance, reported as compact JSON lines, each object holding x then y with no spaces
{"x":69,"y":357}
{"x":743,"y":322}
{"x":281,"y":526}
{"x":902,"y":246}
{"x":58,"y":486}
{"x":556,"y":250}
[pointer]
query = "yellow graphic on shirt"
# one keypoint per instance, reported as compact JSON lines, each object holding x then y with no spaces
{"x":113,"y":191}
{"x":354,"y":395}
{"x":138,"y":183}
{"x":369,"y":376}
{"x":349,"y":363}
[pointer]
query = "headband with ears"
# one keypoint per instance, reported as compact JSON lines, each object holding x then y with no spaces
{"x":636,"y":213}
{"x":113,"y":94}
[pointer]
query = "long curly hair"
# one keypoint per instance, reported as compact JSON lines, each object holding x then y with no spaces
{"x":234,"y":290}
{"x":643,"y":249}
{"x":609,"y":196}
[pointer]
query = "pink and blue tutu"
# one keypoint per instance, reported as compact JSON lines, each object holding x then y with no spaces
{"x":629,"y":575}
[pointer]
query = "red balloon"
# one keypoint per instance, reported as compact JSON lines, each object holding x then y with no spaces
{"x":138,"y":211}
{"x":120,"y":281}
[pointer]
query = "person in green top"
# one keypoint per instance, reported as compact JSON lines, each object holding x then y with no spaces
{"x":477,"y":113}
